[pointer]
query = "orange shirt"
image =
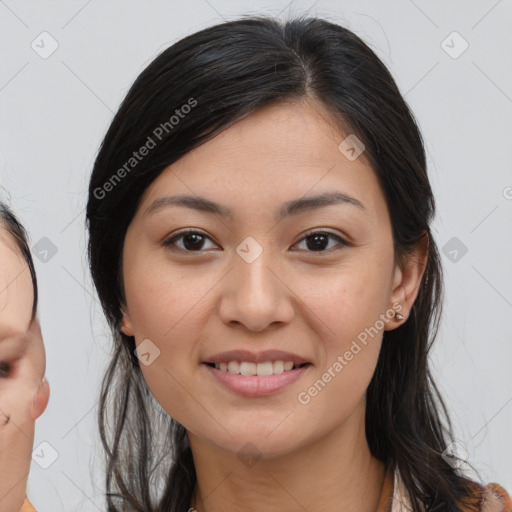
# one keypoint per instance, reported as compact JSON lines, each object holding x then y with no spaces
{"x":27,"y":506}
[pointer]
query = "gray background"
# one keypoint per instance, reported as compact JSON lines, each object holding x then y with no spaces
{"x":55,"y":110}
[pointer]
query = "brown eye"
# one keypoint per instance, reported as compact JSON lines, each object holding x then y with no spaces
{"x":319,"y":241}
{"x":192,"y":241}
{"x":5,"y":370}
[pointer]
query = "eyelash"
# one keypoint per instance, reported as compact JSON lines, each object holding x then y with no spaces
{"x":170,"y":242}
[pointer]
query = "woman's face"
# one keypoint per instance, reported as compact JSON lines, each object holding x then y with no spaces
{"x":22,"y":366}
{"x":255,"y":280}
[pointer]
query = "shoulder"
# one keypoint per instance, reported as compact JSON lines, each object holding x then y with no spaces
{"x":487,"y":498}
{"x":480,"y":498}
{"x":494,"y":498}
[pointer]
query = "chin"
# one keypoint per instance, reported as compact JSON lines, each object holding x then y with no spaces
{"x":258,"y":443}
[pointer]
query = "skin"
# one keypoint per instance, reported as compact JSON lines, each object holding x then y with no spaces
{"x":294,"y":298}
{"x":23,"y":398}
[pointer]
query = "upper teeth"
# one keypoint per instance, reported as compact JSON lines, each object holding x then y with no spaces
{"x":246,"y":368}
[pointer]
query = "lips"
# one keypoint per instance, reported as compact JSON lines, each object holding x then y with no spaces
{"x":256,"y":374}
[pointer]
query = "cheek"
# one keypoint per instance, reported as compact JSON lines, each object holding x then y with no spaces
{"x":172,"y":380}
{"x":345,"y":301}
{"x":158,"y":297}
{"x":347,"y":307}
{"x":166,"y":309}
{"x":350,"y":350}
{"x":16,"y":398}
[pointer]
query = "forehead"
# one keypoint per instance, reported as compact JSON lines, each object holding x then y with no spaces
{"x":16,"y":291}
{"x":279,"y":152}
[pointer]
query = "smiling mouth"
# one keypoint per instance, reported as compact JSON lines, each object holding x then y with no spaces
{"x":260,"y":369}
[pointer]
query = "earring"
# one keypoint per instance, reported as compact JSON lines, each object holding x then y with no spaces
{"x":399,"y":317}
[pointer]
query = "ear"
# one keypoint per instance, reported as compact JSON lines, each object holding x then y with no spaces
{"x":407,"y":281}
{"x":127,"y":327}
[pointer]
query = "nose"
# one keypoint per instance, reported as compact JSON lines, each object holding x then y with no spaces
{"x":256,"y":295}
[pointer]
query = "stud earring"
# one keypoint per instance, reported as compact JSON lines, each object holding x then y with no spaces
{"x":399,"y":317}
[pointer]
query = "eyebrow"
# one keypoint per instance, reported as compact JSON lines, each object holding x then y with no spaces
{"x":293,"y":207}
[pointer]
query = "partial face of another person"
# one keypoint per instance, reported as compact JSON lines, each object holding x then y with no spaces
{"x":272,"y":274}
{"x":22,"y":366}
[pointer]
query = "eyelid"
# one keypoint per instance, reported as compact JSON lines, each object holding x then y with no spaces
{"x":325,"y":231}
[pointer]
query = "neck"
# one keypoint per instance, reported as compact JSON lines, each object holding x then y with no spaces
{"x":336,"y":472}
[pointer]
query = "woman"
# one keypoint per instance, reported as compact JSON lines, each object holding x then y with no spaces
{"x":259,"y":236}
{"x":24,"y":392}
